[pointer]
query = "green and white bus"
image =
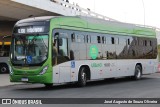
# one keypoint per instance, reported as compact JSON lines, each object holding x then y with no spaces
{"x":51,"y":50}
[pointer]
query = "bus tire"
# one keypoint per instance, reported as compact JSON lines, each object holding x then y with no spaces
{"x":138,"y":73}
{"x":4,"y":68}
{"x":50,"y":85}
{"x":82,"y":77}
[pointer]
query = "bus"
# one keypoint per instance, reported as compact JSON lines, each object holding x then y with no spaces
{"x":4,"y":53}
{"x":76,"y":49}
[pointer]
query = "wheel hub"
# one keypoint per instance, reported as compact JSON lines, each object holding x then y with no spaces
{"x":3,"y":69}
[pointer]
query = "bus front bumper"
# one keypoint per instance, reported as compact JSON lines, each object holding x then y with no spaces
{"x":47,"y":78}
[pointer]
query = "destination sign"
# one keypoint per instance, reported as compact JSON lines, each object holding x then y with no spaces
{"x":33,"y":29}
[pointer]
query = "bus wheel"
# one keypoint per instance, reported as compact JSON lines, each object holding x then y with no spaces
{"x":82,"y":77}
{"x":50,"y":85}
{"x":4,"y":68}
{"x":138,"y":73}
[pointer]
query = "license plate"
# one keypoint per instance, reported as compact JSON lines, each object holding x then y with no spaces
{"x":24,"y":79}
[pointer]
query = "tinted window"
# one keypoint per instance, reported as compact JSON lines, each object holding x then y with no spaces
{"x":98,"y":39}
{"x":73,"y":37}
{"x":104,"y":40}
{"x":150,"y":43}
{"x":128,"y":41}
{"x":112,"y":40}
{"x":88,"y":39}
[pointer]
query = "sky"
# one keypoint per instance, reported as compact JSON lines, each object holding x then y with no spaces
{"x":144,"y":12}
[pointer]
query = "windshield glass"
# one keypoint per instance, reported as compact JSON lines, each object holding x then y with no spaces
{"x":29,"y":50}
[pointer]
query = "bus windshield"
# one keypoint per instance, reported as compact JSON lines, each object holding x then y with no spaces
{"x":29,"y":49}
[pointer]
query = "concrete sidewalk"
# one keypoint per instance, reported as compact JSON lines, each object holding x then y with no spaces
{"x":5,"y":80}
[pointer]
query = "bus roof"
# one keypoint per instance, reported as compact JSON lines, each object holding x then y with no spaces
{"x":95,"y":25}
{"x":43,"y":18}
{"x":105,"y":26}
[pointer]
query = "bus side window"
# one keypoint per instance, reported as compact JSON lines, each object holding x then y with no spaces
{"x":88,"y":39}
{"x":98,"y":39}
{"x":128,"y":42}
{"x":104,"y":40}
{"x":73,"y":37}
{"x":150,"y":43}
{"x":54,"y":49}
{"x":94,"y":39}
{"x":117,"y":41}
{"x":145,"y":42}
{"x":83,"y":39}
{"x":112,"y":40}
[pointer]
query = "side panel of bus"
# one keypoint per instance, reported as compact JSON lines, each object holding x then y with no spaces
{"x":117,"y":55}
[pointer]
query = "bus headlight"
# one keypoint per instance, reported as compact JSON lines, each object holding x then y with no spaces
{"x":10,"y":70}
{"x":44,"y":70}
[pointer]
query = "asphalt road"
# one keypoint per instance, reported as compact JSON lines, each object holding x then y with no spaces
{"x":147,"y":87}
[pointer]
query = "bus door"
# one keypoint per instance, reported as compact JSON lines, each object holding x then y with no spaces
{"x":63,"y":68}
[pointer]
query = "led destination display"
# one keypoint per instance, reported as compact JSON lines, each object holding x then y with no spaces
{"x":29,"y":28}
{"x":34,"y":29}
